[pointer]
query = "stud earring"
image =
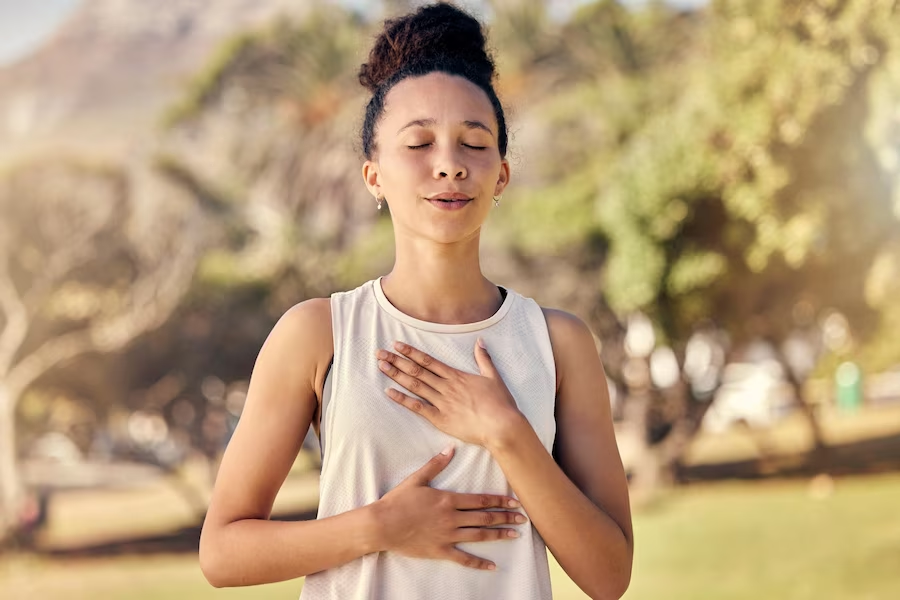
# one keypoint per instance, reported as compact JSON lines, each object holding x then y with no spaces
{"x":497,"y":200}
{"x":379,"y":198}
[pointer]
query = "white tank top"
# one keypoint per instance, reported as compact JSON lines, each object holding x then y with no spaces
{"x":370,"y":444}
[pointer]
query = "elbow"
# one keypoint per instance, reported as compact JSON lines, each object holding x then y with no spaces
{"x":610,"y":589}
{"x":620,"y":586}
{"x":210,"y":561}
{"x":614,"y":584}
{"x":621,"y":579}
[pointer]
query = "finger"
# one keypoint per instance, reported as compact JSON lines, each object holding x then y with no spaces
{"x":415,"y":384}
{"x":414,"y":369}
{"x":425,"y":360}
{"x":414,"y":404}
{"x":486,"y":518}
{"x":469,"y":501}
{"x":483,"y":359}
{"x":482,"y":534}
{"x":469,"y":560}
{"x":429,"y":470}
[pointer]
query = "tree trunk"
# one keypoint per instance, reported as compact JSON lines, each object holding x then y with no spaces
{"x":10,"y":483}
{"x":818,"y":459}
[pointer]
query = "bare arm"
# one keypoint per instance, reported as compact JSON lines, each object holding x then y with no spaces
{"x":580,"y":507}
{"x":239,"y":545}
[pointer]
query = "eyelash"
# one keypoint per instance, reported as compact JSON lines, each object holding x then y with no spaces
{"x":466,"y":145}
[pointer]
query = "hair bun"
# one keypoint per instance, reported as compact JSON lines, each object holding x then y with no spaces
{"x":434,"y":32}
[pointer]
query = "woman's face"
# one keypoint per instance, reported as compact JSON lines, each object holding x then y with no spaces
{"x":438,"y":134}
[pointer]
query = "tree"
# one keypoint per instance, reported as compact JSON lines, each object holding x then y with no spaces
{"x":91,"y":257}
{"x":736,"y":183}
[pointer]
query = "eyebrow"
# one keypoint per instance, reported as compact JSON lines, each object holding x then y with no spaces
{"x":429,"y":122}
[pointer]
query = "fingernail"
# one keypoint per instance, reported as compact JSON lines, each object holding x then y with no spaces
{"x":512,"y":533}
{"x":492,"y":567}
{"x":513,"y":503}
{"x":481,"y":343}
{"x":520,"y":519}
{"x":447,"y":450}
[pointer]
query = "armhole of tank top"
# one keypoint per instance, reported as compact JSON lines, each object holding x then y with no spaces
{"x":326,"y":396}
{"x":328,"y":385}
{"x":549,"y":357}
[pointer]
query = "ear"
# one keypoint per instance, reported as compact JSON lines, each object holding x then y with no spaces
{"x":503,"y":178}
{"x":372,"y":177}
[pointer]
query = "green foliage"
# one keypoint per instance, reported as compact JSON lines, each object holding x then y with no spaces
{"x":371,"y":254}
{"x":728,"y":169}
{"x":298,"y":60}
{"x":207,"y":83}
{"x":545,"y":220}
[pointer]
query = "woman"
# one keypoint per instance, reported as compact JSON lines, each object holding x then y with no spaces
{"x":394,"y":371}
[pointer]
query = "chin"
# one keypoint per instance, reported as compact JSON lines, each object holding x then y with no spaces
{"x":453,"y":235}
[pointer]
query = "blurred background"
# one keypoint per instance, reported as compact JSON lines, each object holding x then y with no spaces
{"x":714,"y":187}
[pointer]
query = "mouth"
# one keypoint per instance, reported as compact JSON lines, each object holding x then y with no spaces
{"x":449,"y":203}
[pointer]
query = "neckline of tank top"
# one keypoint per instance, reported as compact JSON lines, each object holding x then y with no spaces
{"x":441,"y":327}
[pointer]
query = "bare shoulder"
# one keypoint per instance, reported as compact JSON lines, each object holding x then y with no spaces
{"x":307,"y":322}
{"x":571,"y":338}
{"x":565,"y":324}
{"x":280,"y":405}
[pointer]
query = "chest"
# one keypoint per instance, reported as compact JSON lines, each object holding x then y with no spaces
{"x":364,"y":426}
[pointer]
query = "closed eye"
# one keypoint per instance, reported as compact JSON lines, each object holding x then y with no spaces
{"x":466,"y":145}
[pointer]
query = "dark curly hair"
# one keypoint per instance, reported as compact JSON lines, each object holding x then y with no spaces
{"x":436,"y":37}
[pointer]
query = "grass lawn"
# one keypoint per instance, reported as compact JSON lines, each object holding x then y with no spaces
{"x":770,"y":540}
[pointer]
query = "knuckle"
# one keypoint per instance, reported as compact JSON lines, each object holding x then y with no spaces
{"x":487,"y":518}
{"x":417,"y":406}
{"x":414,"y":384}
{"x":485,"y":500}
{"x":427,"y":360}
{"x":415,"y":370}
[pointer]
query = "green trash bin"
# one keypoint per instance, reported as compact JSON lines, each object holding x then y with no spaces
{"x":849,"y":387}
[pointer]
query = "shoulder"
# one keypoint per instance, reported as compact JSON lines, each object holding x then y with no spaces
{"x":307,"y":321}
{"x":568,"y":332}
{"x":572,"y":341}
{"x":302,"y":338}
{"x":308,"y":313}
{"x":565,"y":324}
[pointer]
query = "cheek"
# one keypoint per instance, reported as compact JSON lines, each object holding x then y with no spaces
{"x":403,"y":167}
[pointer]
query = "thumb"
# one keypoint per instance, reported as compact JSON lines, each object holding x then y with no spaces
{"x":485,"y":363}
{"x":434,"y":466}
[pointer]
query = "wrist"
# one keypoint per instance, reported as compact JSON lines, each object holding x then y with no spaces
{"x":508,"y":432}
{"x":373,"y":538}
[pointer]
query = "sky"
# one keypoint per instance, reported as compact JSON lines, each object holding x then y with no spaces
{"x":24,"y":24}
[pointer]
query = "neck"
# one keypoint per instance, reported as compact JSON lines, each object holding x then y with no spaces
{"x":441,"y":283}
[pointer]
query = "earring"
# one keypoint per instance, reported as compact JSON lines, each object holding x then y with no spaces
{"x":497,"y":200}
{"x":379,"y":198}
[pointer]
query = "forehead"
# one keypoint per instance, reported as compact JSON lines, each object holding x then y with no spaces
{"x":449,"y":99}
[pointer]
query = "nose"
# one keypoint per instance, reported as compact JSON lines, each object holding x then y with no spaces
{"x":449,"y":162}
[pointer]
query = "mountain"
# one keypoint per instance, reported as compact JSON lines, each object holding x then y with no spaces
{"x":100,"y":81}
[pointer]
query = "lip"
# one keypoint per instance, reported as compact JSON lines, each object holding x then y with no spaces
{"x":450,"y":196}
